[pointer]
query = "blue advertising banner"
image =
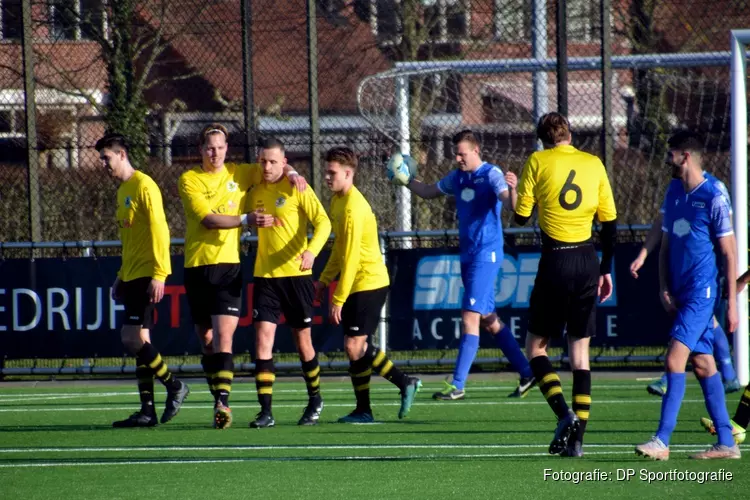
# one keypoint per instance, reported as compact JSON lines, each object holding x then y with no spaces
{"x":425,"y":305}
{"x":55,"y":308}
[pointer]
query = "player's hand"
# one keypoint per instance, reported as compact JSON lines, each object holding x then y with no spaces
{"x":116,"y":289}
{"x":668,"y":302}
{"x":261,"y":219}
{"x":155,"y":291}
{"x":733,"y":320}
{"x":604,"y":290}
{"x":297,"y":181}
{"x":636,"y":265}
{"x":320,"y":289}
{"x":511,"y":180}
{"x":334,"y":314}
{"x":307,"y":259}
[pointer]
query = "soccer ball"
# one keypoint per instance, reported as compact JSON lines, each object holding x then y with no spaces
{"x":401,"y":169}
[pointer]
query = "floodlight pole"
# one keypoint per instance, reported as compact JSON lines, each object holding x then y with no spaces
{"x":739,"y":40}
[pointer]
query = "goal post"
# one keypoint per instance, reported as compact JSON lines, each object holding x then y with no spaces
{"x":739,"y":41}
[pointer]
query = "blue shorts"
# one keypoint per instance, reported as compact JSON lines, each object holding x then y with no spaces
{"x":479,"y":279}
{"x":694,"y":324}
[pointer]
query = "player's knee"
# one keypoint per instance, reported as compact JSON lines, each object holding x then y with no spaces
{"x":490,"y":323}
{"x":354,"y":347}
{"x":131,"y":338}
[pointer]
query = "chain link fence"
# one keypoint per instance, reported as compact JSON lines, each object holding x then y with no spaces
{"x":159,"y":70}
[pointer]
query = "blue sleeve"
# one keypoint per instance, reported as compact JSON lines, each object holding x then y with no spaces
{"x":723,"y":190}
{"x":447,"y":184}
{"x":721,"y":221}
{"x":497,"y":180}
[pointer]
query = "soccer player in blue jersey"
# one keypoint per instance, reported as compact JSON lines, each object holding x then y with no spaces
{"x":481,"y":190}
{"x":721,"y":343}
{"x":696,"y":223}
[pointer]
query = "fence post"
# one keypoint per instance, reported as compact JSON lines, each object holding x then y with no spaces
{"x":539,"y":48}
{"x":606,"y":51}
{"x":383,"y":325}
{"x":248,"y":105}
{"x":562,"y":57}
{"x":312,"y":91}
{"x":32,"y":153}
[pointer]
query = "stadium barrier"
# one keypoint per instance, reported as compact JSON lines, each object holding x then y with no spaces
{"x":60,"y":309}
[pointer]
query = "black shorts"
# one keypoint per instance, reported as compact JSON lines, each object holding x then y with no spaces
{"x":565,"y":293}
{"x":212,"y":291}
{"x":361,"y":312}
{"x":139,"y":310}
{"x":293,"y":296}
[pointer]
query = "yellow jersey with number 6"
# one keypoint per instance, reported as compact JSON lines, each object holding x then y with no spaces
{"x":569,"y":187}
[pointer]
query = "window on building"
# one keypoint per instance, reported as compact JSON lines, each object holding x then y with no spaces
{"x":11,"y":24}
{"x":447,"y":21}
{"x":584,"y":21}
{"x":76,"y":19}
{"x":512,"y":20}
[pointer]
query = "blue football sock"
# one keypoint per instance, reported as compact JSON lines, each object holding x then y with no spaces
{"x":670,"y":406}
{"x":509,"y":345}
{"x":467,"y":351}
{"x":723,"y":355}
{"x":713,"y":392}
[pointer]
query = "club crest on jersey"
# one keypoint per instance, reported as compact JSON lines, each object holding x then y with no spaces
{"x":232,"y":186}
{"x":231,"y":204}
{"x":467,"y":194}
{"x":128,"y":201}
{"x":280,"y":201}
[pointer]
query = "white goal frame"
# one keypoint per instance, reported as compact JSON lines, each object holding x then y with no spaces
{"x":739,"y":41}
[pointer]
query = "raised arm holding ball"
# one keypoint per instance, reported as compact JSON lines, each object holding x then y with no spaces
{"x":480,"y":189}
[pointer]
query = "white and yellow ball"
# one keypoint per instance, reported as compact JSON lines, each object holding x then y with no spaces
{"x":401,"y":169}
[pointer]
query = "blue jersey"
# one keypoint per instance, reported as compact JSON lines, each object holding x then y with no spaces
{"x":713,"y":180}
{"x":694,"y":222}
{"x":480,"y":228}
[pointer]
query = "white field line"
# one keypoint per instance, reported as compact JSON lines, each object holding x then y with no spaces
{"x":203,"y":407}
{"x":282,"y":447}
{"x":6,"y":398}
{"x":190,"y":461}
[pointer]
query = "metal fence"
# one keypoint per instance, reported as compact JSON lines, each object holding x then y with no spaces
{"x":324,"y":73}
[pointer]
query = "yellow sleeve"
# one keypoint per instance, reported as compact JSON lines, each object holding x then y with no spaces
{"x":157,"y":221}
{"x":526,"y":197}
{"x":607,"y":210}
{"x":316,"y":214}
{"x":195,"y":204}
{"x":248,"y":175}
{"x":333,"y":266}
{"x":351,"y":248}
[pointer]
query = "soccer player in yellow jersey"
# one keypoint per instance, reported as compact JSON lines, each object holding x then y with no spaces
{"x":283,"y":278}
{"x":213,"y":195}
{"x":568,"y":187}
{"x":362,"y":287}
{"x":140,"y":281}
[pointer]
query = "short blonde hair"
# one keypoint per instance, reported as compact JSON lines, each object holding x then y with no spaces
{"x":212,"y":129}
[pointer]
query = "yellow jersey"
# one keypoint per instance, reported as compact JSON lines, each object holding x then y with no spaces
{"x":223,"y":193}
{"x":569,"y":187}
{"x":143,"y":230}
{"x":280,"y":246}
{"x":356,"y":248}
